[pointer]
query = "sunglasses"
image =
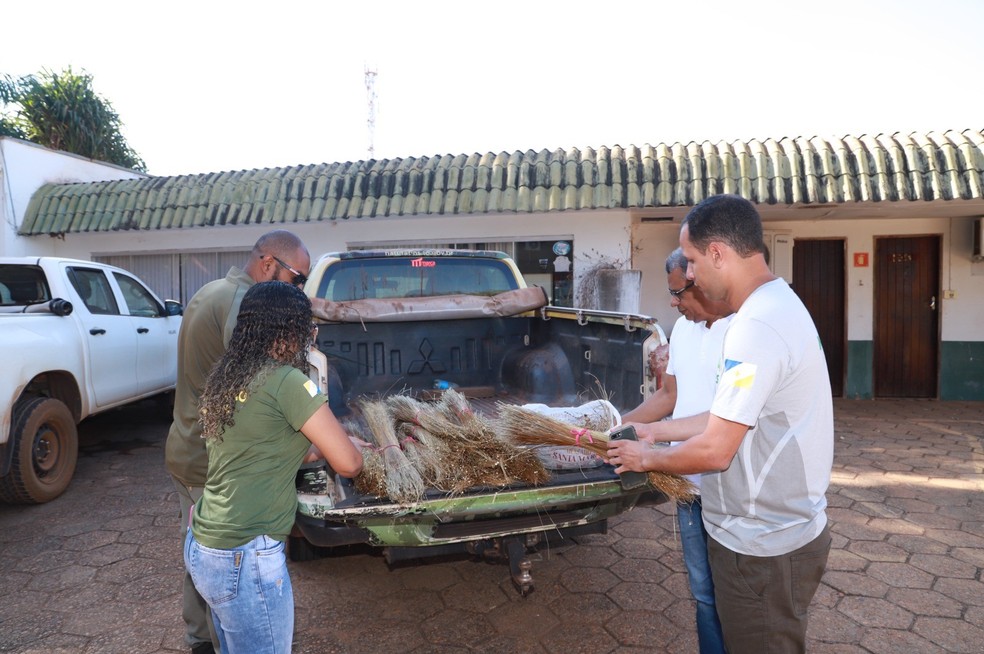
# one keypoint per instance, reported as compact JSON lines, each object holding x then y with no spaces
{"x":680,"y":291}
{"x":299,"y":278}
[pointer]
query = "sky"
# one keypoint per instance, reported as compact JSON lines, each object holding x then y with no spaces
{"x":210,"y":86}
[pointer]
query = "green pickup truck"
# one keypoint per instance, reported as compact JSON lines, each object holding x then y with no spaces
{"x":409,"y":321}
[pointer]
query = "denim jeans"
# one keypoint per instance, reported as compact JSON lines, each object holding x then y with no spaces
{"x":249,"y":592}
{"x":197,"y":616}
{"x":693,"y":538}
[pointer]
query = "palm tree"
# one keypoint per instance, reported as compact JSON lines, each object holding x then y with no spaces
{"x":62,"y":112}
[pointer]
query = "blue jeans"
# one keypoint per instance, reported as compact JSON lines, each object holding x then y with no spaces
{"x":249,"y":592}
{"x":693,"y":538}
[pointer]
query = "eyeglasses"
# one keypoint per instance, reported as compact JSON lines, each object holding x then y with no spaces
{"x":299,"y":278}
{"x":680,"y":291}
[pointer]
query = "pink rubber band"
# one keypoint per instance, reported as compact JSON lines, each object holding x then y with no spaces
{"x":581,"y":432}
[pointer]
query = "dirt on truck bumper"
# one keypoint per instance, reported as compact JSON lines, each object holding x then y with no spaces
{"x":442,"y":519}
{"x":501,"y":524}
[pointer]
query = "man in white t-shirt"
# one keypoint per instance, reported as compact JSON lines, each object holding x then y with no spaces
{"x":687,"y":390}
{"x":766,"y":444}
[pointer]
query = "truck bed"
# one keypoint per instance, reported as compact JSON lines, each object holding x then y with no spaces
{"x":410,"y":322}
{"x":333,"y":513}
{"x":483,"y":401}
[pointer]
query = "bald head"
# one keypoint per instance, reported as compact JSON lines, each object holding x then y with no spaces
{"x":279,"y":243}
{"x":279,"y":255}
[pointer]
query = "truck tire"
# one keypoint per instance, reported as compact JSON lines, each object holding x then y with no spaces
{"x":45,"y":445}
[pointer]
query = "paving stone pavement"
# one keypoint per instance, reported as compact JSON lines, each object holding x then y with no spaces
{"x":98,"y":570}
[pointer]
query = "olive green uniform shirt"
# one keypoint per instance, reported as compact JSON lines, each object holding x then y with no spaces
{"x":206,"y":329}
{"x":250,"y":490}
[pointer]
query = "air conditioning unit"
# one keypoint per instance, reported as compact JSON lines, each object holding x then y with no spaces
{"x":780,"y":246}
{"x":978,"y":251}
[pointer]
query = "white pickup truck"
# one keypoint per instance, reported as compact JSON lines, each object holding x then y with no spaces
{"x":77,"y":338}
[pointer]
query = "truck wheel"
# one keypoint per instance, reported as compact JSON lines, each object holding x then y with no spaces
{"x":45,"y":447}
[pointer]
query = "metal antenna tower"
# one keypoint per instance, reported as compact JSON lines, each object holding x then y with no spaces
{"x":371,"y":97}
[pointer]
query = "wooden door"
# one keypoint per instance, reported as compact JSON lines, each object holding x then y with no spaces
{"x":819,"y":280}
{"x":907,"y":299}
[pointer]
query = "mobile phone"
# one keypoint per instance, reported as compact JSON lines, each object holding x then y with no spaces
{"x":629,"y":479}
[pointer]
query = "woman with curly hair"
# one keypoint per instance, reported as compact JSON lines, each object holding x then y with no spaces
{"x":261,"y":418}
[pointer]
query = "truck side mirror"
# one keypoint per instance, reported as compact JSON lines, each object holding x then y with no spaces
{"x":173,"y":308}
{"x":60,"y":307}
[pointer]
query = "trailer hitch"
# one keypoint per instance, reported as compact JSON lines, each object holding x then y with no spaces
{"x":520,"y":566}
{"x":514,"y":550}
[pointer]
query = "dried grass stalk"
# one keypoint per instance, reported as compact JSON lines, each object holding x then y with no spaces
{"x":532,"y":428}
{"x":407,"y":409}
{"x":403,"y":482}
{"x":456,"y":408}
{"x":468,"y":450}
{"x":423,"y":450}
{"x":677,"y":488}
{"x":490,"y":451}
{"x":372,"y":479}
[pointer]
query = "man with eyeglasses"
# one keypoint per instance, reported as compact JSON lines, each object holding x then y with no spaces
{"x":206,"y":329}
{"x":688,"y":389}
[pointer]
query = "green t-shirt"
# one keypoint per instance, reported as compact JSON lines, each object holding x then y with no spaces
{"x":206,"y":329}
{"x":250,"y":488}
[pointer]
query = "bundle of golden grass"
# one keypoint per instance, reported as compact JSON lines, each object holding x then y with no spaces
{"x":424,"y":451}
{"x":372,"y":479}
{"x":455,"y":406}
{"x":487,"y":448}
{"x":403,"y":481}
{"x":531,"y":428}
{"x":422,"y":414}
{"x":528,"y":427}
{"x":467,"y":451}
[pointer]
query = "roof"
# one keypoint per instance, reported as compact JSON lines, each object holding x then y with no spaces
{"x":883,"y":168}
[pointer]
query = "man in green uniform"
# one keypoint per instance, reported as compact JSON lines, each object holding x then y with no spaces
{"x":206,"y":329}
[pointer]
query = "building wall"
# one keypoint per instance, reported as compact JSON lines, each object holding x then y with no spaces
{"x":25,"y":167}
{"x":598,"y":236}
{"x":961,"y":316}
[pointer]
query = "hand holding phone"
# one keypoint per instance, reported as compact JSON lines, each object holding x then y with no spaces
{"x":630,"y":479}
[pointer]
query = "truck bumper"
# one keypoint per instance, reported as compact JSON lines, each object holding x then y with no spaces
{"x":444,"y":520}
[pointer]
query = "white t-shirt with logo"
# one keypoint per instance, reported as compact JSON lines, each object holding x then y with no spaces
{"x":773,"y":377}
{"x":695,"y":351}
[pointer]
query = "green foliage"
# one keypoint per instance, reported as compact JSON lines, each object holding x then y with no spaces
{"x":10,"y":128}
{"x":61,"y":111}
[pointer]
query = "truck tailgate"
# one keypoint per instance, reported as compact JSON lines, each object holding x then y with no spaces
{"x":570,"y":498}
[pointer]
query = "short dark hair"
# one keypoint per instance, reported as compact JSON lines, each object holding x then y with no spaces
{"x":730,"y":219}
{"x":676,"y":261}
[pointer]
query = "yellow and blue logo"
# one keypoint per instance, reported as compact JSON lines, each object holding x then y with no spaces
{"x":738,"y":374}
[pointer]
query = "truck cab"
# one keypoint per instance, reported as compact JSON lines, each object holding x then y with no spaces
{"x":78,"y":337}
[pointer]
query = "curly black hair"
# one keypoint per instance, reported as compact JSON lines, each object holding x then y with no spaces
{"x":274,"y":328}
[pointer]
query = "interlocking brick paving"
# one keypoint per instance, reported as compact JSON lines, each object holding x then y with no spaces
{"x":99,"y":569}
